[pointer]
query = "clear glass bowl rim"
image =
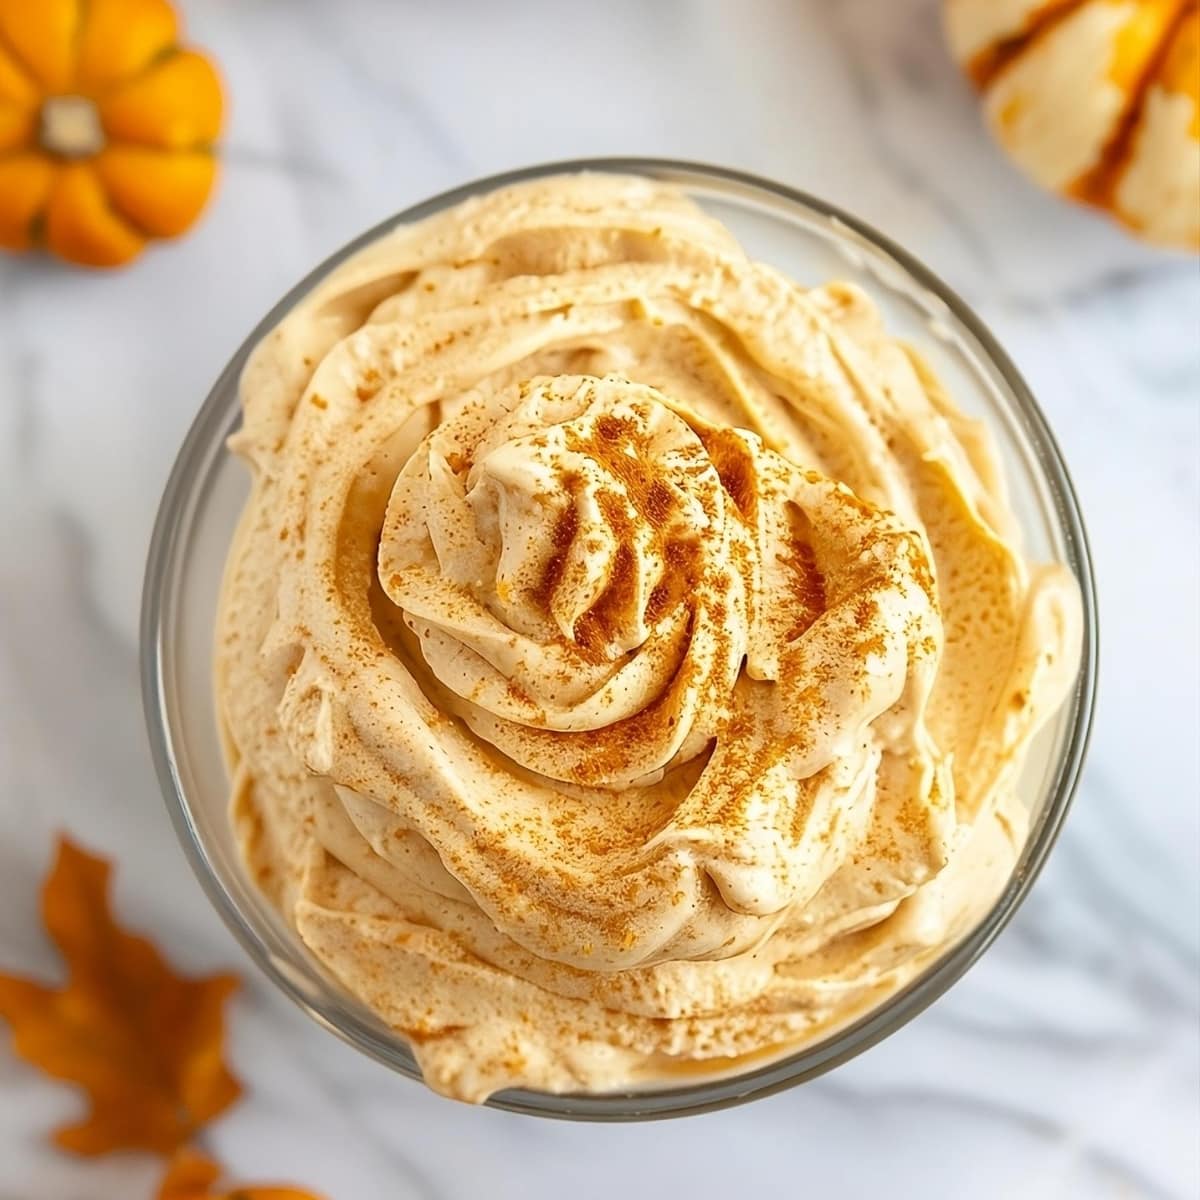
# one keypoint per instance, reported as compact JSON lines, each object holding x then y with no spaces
{"x":328,"y":1010}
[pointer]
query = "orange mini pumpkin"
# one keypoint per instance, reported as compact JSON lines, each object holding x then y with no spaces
{"x":1096,"y":99}
{"x":106,"y":127}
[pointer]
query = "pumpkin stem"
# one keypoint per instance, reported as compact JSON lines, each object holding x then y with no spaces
{"x":70,"y":127}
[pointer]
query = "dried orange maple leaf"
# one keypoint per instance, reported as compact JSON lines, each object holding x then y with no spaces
{"x":144,"y":1042}
{"x":191,"y":1176}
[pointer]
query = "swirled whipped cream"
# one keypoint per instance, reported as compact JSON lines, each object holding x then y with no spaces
{"x":625,"y":657}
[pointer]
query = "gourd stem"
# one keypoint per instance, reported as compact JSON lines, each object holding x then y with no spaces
{"x":70,"y":127}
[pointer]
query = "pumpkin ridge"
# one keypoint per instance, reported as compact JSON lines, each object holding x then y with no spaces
{"x":22,"y":65}
{"x":37,"y":229}
{"x":81,"y":20}
{"x":20,"y":70}
{"x":155,"y":61}
{"x":119,"y":210}
{"x":1098,"y":186}
{"x":119,"y":104}
{"x":191,"y":148}
{"x":114,"y":214}
{"x":49,"y":54}
{"x":28,"y":161}
{"x":991,"y":62}
{"x":119,"y":214}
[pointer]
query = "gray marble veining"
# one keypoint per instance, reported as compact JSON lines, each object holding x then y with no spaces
{"x":1066,"y":1063}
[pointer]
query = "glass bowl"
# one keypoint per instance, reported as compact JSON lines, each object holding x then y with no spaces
{"x":812,"y":242}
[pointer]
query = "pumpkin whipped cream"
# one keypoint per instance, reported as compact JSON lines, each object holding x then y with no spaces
{"x":625,"y":657}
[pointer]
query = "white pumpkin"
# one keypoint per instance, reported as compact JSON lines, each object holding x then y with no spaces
{"x":1096,"y":99}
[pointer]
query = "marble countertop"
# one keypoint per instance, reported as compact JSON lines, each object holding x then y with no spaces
{"x":1066,"y":1063}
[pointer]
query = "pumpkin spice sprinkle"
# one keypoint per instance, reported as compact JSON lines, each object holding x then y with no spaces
{"x":610,"y":712}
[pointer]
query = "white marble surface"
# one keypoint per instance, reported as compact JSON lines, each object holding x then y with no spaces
{"x":1066,"y":1063}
